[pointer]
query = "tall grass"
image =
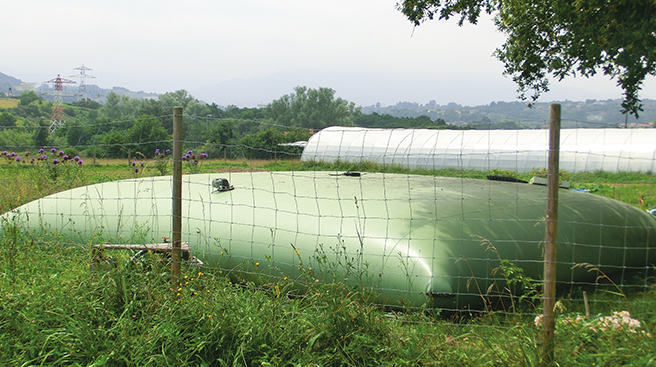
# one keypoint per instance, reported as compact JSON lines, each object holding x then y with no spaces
{"x":57,"y":311}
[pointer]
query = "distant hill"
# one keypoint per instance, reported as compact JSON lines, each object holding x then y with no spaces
{"x":71,"y":93}
{"x":587,"y":114}
{"x":94,"y":92}
{"x":7,"y":82}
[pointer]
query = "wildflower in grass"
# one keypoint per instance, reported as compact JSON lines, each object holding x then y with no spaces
{"x":168,"y":151}
{"x":618,"y":320}
{"x":203,"y":155}
{"x":538,"y":320}
{"x":133,"y":163}
{"x":41,"y":150}
{"x":61,"y":153}
{"x":157,"y":151}
{"x":27,"y":154}
{"x":76,"y":158}
{"x":18,"y":158}
{"x":55,"y":161}
{"x":80,"y":162}
{"x":190,"y":152}
{"x":53,"y":150}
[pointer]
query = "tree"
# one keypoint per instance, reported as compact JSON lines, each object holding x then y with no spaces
{"x":7,"y":120}
{"x":146,"y":135}
{"x":113,"y":144}
{"x":562,"y":38}
{"x":40,"y":137}
{"x":265,"y":144}
{"x":311,"y":108}
{"x":77,"y":133}
{"x":28,"y":97}
{"x":179,"y":98}
{"x":88,"y":103}
{"x":119,"y":107}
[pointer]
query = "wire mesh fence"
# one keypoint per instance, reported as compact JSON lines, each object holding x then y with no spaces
{"x":425,"y":220}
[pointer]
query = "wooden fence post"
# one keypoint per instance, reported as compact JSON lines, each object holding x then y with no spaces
{"x":549,"y":289}
{"x":177,"y":194}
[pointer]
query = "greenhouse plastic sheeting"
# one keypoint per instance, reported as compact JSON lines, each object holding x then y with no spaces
{"x":581,"y":150}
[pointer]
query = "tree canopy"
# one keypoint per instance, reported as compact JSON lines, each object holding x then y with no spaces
{"x":561,"y":38}
{"x":28,"y":97}
{"x":312,"y":108}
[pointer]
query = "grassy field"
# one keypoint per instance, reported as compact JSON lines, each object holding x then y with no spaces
{"x":55,"y":310}
{"x":8,"y":102}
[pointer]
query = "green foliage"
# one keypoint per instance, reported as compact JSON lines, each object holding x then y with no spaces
{"x":374,"y":120}
{"x":170,"y":100}
{"x":311,"y":108}
{"x":88,"y":103}
{"x":119,"y":107}
{"x":64,"y":171}
{"x":162,"y":159}
{"x":562,"y":38}
{"x":15,"y":139}
{"x":542,"y":172}
{"x":40,"y":136}
{"x":146,"y":135}
{"x":77,"y":133}
{"x":26,"y":98}
{"x":113,"y":144}
{"x":265,"y":144}
{"x":7,"y":120}
{"x":59,"y":310}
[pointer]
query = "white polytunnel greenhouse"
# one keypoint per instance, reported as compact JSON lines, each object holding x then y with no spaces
{"x":611,"y":150}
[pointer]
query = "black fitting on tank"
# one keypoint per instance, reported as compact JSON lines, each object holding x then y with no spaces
{"x":222,"y":184}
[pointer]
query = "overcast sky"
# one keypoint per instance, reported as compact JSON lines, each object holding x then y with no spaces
{"x":249,"y":52}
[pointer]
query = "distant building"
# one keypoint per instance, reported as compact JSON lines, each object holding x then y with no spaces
{"x":25,"y":87}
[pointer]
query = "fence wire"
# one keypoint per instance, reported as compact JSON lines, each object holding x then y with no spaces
{"x":384,"y":221}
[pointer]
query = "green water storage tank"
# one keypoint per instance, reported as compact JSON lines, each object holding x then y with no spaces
{"x":415,"y":239}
